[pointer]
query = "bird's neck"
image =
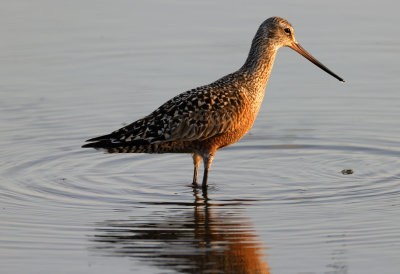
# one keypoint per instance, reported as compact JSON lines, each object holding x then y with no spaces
{"x":259,"y":62}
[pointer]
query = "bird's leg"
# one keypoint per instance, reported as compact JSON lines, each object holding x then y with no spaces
{"x":196,"y":162}
{"x":207,"y":159}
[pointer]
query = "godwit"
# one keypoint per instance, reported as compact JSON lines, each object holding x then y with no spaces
{"x":210,"y":117}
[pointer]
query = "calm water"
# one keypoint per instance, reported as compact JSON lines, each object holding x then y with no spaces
{"x":71,"y":70}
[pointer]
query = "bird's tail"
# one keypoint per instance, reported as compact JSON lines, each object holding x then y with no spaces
{"x":136,"y":146}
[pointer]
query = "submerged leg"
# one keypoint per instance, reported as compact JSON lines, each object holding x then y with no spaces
{"x":196,"y":162}
{"x":207,"y":164}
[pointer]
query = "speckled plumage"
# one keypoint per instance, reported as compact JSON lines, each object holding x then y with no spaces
{"x":210,"y":117}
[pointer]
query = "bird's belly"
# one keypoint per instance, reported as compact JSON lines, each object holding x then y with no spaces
{"x":235,"y":133}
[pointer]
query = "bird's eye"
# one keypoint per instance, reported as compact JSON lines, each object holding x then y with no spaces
{"x":287,"y":30}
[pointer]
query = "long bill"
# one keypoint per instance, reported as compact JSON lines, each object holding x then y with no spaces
{"x":296,"y":47}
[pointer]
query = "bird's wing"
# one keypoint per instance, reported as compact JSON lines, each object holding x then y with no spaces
{"x":202,"y":114}
{"x":197,"y":114}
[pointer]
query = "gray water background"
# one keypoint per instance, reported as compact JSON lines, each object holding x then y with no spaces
{"x":72,"y":70}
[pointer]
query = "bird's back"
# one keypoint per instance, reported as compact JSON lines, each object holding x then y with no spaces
{"x":217,"y":114}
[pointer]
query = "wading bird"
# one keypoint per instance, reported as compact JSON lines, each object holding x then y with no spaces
{"x":202,"y":120}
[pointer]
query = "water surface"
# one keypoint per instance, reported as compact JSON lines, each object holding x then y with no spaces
{"x":278,"y":202}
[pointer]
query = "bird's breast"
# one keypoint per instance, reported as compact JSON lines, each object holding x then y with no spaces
{"x":250,"y":106}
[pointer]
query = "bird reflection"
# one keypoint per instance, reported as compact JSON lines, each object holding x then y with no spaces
{"x":210,"y":239}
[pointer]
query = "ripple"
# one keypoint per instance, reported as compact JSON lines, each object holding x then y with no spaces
{"x":299,"y":173}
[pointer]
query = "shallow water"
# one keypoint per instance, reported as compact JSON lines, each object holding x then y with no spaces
{"x":278,"y":201}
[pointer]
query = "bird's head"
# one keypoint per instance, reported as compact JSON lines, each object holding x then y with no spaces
{"x":280,"y":33}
